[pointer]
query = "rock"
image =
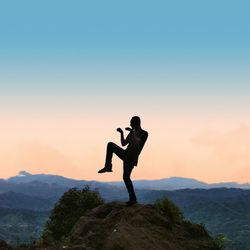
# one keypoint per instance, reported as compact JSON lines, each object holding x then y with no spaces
{"x":113,"y":226}
{"x":4,"y":245}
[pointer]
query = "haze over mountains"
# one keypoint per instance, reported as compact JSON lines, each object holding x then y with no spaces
{"x":171,"y":183}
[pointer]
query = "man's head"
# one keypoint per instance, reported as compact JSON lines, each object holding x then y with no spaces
{"x":135,"y":122}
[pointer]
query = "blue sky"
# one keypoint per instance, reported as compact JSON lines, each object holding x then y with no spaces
{"x":177,"y":47}
{"x":71,"y":71}
{"x":148,"y":32}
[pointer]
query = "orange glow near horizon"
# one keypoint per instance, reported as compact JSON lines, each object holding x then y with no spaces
{"x":75,"y":148}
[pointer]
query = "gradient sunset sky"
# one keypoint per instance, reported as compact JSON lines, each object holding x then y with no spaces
{"x":71,"y":72}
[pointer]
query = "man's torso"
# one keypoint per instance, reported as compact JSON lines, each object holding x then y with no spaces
{"x":136,"y":140}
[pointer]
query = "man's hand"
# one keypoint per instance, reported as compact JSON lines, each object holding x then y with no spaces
{"x":119,"y":130}
{"x":129,"y":129}
{"x":123,"y":141}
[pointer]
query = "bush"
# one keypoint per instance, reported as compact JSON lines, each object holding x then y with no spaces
{"x":219,"y":242}
{"x":195,"y":230}
{"x":169,"y":209}
{"x":199,"y":231}
{"x":71,"y":206}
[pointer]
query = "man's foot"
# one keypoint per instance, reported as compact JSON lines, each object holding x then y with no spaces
{"x":103,"y":170}
{"x":131,"y":203}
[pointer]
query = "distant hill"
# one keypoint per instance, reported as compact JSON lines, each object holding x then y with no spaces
{"x":14,"y":200}
{"x":171,"y":183}
{"x":44,"y":185}
{"x":34,"y":188}
{"x":25,"y":177}
{"x":21,"y":225}
{"x":174,"y":183}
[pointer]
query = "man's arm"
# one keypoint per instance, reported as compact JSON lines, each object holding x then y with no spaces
{"x":123,"y":141}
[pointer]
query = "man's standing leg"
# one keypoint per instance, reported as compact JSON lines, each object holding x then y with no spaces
{"x":127,"y":169}
{"x":111,"y":148}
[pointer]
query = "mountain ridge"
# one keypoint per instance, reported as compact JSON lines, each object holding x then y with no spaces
{"x":170,"y":183}
{"x":116,"y":226}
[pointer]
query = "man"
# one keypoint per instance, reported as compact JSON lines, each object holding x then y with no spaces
{"x":135,"y":140}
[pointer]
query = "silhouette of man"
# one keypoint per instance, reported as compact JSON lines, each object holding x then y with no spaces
{"x":135,"y":140}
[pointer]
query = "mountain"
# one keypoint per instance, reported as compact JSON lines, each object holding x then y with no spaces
{"x":44,"y":185}
{"x":21,"y":225}
{"x":14,"y":200}
{"x":174,"y":183}
{"x":25,"y":177}
{"x":171,"y":183}
{"x":34,"y":188}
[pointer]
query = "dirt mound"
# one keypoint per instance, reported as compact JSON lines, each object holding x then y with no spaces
{"x":114,"y":226}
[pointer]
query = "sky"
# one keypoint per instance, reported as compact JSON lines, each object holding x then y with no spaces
{"x":71,"y":72}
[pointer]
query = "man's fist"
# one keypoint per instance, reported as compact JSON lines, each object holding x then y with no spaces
{"x":119,"y":130}
{"x":129,"y":129}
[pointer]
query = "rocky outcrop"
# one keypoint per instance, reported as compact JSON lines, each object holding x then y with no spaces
{"x":114,"y":226}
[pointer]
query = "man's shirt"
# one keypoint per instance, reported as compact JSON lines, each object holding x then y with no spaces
{"x":136,"y":141}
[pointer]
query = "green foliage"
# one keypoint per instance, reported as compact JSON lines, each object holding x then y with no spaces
{"x":169,"y":209}
{"x":199,"y":231}
{"x":219,"y":242}
{"x":19,"y":226}
{"x":71,"y":206}
{"x":195,"y":230}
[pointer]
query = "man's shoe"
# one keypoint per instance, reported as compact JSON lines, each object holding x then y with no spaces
{"x":103,"y":170}
{"x":131,"y":203}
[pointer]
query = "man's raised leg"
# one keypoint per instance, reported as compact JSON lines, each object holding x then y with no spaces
{"x":111,"y":148}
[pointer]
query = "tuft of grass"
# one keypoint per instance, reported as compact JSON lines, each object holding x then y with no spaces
{"x":219,"y":242}
{"x":195,"y":230}
{"x":199,"y":231}
{"x":169,"y":209}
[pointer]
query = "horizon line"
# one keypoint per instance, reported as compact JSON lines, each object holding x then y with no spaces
{"x":191,"y":178}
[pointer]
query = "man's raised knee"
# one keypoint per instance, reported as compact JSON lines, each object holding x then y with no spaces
{"x":110,"y":144}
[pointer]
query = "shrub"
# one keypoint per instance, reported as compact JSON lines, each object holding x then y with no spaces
{"x":71,"y":206}
{"x":195,"y":230}
{"x":169,"y":209}
{"x":199,"y":230}
{"x":219,"y":242}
